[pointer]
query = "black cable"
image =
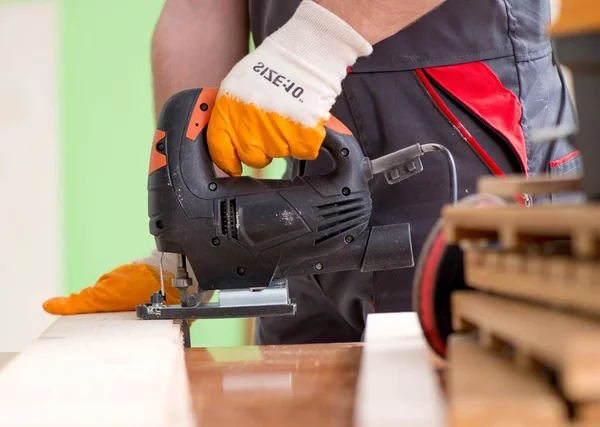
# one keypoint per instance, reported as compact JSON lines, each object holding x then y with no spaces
{"x":429,"y":148}
{"x":397,"y":159}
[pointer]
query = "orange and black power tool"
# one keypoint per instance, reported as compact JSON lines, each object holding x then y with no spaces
{"x":244,"y":237}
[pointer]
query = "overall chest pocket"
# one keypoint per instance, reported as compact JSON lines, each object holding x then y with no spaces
{"x":565,"y":162}
{"x":391,"y":110}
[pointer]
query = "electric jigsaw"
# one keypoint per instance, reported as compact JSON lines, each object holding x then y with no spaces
{"x":244,"y":237}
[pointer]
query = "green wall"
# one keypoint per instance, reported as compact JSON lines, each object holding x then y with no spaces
{"x":108,"y":129}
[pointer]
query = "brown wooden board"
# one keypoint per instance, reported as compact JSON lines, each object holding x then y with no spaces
{"x":576,"y":17}
{"x":560,"y":281}
{"x":309,"y":385}
{"x":518,"y":184}
{"x":589,"y":413}
{"x":485,"y":390}
{"x":274,"y":386}
{"x":515,"y":226}
{"x":567,"y":344}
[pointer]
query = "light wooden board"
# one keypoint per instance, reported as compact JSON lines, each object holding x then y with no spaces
{"x":514,"y":226}
{"x":484,"y":390}
{"x":557,"y":280}
{"x":397,"y":385}
{"x":519,"y":184}
{"x":568,"y":344}
{"x":99,"y":370}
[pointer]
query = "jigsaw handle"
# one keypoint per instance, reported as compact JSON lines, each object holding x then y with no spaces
{"x":351,"y":169}
{"x":182,"y":129}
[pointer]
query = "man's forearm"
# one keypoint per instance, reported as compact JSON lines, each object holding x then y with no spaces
{"x":196,"y":43}
{"x":377,"y":20}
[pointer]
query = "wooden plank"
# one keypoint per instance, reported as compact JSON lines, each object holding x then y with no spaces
{"x":588,"y":413}
{"x":485,"y":390}
{"x":397,"y":385}
{"x":99,"y":370}
{"x":576,"y":17}
{"x":565,"y":343}
{"x":515,"y":225}
{"x":274,"y":386}
{"x":518,"y":184}
{"x":557,"y":280}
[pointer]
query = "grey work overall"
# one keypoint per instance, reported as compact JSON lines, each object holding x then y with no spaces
{"x":474,"y":75}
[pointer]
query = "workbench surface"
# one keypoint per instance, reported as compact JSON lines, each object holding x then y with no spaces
{"x":292,"y":386}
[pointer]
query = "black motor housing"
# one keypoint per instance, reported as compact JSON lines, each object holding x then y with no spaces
{"x":241,"y":232}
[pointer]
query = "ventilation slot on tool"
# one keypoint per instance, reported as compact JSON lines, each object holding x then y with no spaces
{"x":338,"y":218}
{"x":228,"y":218}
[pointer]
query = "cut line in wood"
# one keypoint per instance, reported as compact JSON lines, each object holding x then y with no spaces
{"x":99,"y":370}
{"x":518,"y":184}
{"x":397,"y":385}
{"x":5,"y":358}
{"x":485,"y":390}
{"x":559,"y":281}
{"x":566,"y":344}
{"x":514,"y":226}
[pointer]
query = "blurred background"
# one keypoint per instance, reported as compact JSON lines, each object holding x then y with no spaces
{"x":76,"y":126}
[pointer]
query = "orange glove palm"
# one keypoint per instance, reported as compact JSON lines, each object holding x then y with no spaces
{"x":120,"y":290}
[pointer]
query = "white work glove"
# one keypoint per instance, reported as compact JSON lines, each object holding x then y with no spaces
{"x":275,"y":101}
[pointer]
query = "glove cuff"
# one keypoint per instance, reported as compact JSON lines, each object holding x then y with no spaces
{"x":322,"y":39}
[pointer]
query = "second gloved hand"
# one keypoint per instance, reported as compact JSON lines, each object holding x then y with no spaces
{"x":121,"y":289}
{"x":275,"y":101}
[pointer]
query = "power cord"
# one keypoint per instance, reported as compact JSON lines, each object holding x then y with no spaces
{"x":405,"y":163}
{"x":431,"y":148}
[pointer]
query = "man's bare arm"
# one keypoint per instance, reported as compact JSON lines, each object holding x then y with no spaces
{"x":377,"y":20}
{"x":196,"y":43}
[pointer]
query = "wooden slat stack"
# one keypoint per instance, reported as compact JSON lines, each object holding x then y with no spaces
{"x":527,"y":347}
